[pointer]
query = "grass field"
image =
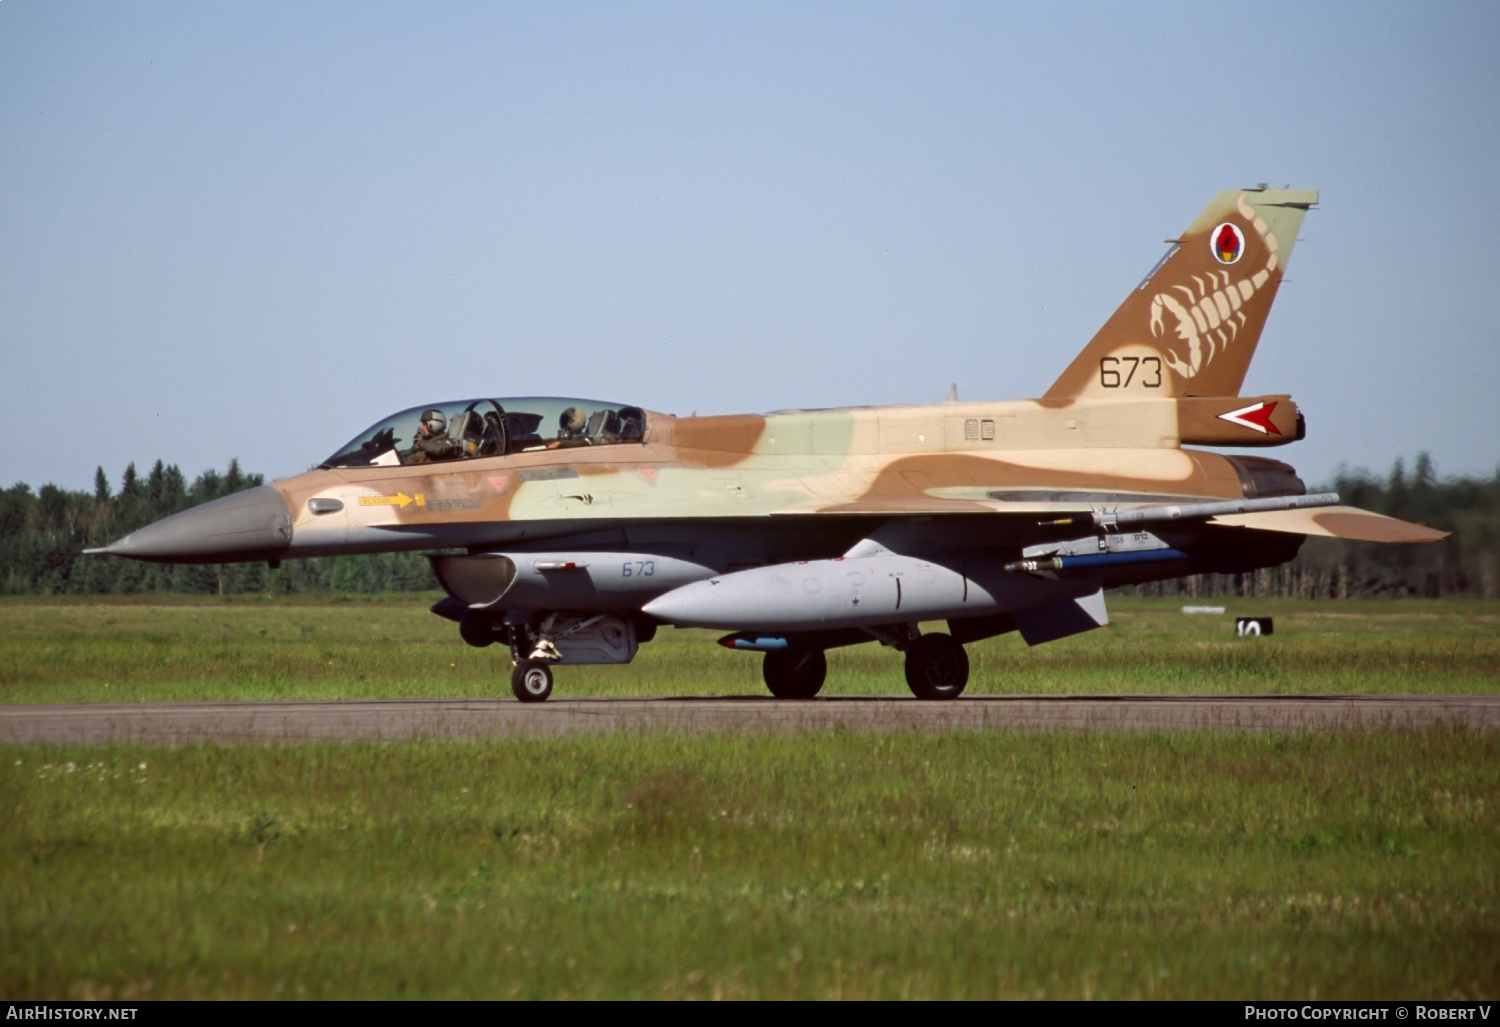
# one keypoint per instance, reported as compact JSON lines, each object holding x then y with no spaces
{"x":189,"y":649}
{"x":1165,"y":865}
{"x":1068,"y":865}
{"x":1061,"y":865}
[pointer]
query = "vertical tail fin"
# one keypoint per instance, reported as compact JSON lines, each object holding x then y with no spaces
{"x":1191,"y":327}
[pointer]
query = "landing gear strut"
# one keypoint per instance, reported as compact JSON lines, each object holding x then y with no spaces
{"x":937,"y":667}
{"x":795,"y":673}
{"x":531,"y":680}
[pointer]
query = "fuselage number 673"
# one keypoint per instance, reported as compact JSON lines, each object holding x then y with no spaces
{"x":638,"y":569}
{"x":1118,"y":372}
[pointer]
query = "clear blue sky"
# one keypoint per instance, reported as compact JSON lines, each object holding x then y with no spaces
{"x":252,"y":229}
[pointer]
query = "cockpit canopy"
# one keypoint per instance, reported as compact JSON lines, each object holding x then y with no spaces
{"x":471,"y":429}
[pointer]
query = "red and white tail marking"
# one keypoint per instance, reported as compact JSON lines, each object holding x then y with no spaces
{"x":1256,"y":417}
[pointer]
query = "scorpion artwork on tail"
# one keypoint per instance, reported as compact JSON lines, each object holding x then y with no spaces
{"x":1208,"y":316}
{"x":1198,"y":315}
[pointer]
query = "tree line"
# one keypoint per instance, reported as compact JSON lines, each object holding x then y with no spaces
{"x":42,"y":533}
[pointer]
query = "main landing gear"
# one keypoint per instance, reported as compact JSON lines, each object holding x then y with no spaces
{"x":795,"y":673}
{"x":936,"y":668}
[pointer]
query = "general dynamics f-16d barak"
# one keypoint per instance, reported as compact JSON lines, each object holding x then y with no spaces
{"x":585,"y":525}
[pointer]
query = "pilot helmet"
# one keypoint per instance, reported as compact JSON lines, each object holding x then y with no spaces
{"x":435,"y":421}
{"x":571,"y":419}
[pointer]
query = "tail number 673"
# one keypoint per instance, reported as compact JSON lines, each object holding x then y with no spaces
{"x":1118,"y":372}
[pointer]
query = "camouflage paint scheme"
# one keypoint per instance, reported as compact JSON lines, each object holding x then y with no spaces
{"x":1081,"y":437}
{"x":736,"y":492}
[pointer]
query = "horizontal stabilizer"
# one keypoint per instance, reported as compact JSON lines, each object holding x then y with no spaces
{"x":1048,"y":623}
{"x":1334,"y":522}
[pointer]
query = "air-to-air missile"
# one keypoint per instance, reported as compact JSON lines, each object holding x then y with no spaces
{"x":569,"y":530}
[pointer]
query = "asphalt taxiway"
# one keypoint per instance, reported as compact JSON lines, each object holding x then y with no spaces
{"x":231,"y":722}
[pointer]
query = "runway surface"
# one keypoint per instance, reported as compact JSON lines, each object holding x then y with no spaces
{"x":188,"y":723}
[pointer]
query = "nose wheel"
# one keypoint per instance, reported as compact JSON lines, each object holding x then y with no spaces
{"x":531,"y":680}
{"x":937,"y":667}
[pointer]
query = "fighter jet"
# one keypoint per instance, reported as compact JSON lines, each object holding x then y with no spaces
{"x":570,"y":530}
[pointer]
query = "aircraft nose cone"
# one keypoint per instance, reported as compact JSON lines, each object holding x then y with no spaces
{"x":252,"y":525}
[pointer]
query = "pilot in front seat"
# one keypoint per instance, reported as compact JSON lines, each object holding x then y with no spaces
{"x":431,"y":442}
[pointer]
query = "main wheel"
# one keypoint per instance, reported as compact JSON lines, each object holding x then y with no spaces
{"x":795,"y":673}
{"x":937,"y":667}
{"x":531,"y":680}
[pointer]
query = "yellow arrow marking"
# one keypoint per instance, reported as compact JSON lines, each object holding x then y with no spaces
{"x":400,"y":499}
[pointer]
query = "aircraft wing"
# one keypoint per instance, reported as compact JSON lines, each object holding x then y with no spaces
{"x":982,"y":500}
{"x":923,"y":506}
{"x":1296,"y":515}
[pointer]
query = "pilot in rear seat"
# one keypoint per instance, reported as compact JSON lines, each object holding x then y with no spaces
{"x":570,"y":430}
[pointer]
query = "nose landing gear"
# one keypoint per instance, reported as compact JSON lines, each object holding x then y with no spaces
{"x":531,"y":680}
